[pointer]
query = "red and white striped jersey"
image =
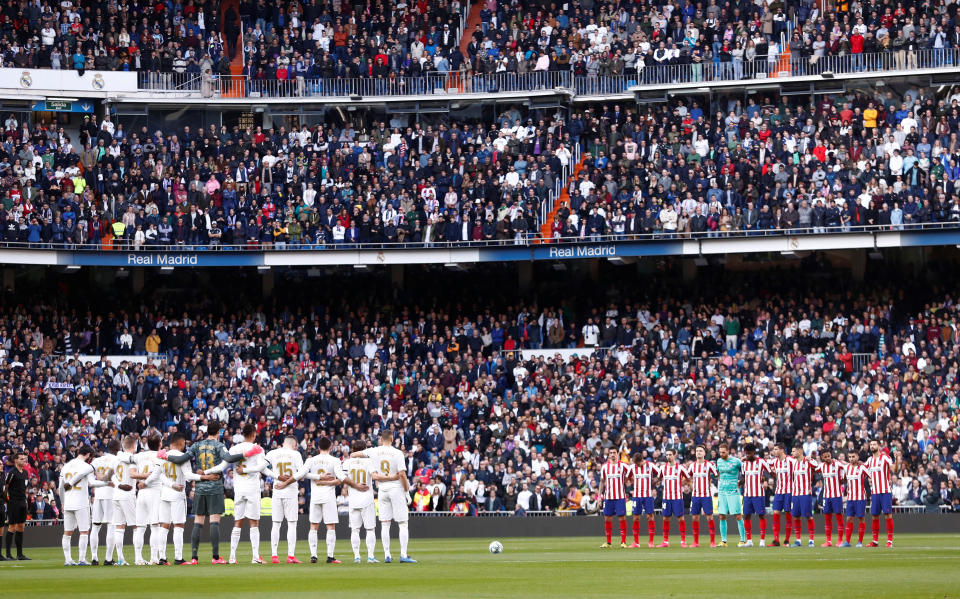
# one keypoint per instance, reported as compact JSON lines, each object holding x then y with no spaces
{"x":673,"y":475}
{"x":753,"y":477}
{"x":614,"y":474}
{"x":803,"y":476}
{"x":643,"y":479}
{"x":832,"y":474}
{"x":783,"y":468}
{"x":855,"y":476}
{"x":879,"y":469}
{"x":700,"y":473}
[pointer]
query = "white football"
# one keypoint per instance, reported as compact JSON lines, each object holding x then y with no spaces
{"x":496,"y":547}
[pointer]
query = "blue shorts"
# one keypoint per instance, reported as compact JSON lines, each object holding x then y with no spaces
{"x":856,"y":508}
{"x":832,"y":505}
{"x":802,"y":506}
{"x":701,"y":505}
{"x":754,"y":505}
{"x":881,"y":503}
{"x":673,"y":507}
{"x":614,"y":507}
{"x":642,"y":505}
{"x":781,"y":502}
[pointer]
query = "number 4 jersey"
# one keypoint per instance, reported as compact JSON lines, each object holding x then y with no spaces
{"x":284,"y":462}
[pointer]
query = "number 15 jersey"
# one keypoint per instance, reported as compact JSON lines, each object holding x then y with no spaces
{"x":284,"y":462}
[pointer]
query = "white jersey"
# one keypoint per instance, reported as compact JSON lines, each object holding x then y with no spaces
{"x":388,"y":461}
{"x":147,"y":463}
{"x":123,"y":465}
{"x":360,"y":471}
{"x":102,"y":466}
{"x":284,"y":462}
{"x":317,"y":466}
{"x":175,"y":474}
{"x":246,"y":472}
{"x":81,"y":477}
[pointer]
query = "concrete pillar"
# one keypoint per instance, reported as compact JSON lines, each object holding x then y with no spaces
{"x":396,"y":275}
{"x":267,"y":280}
{"x":524,"y":276}
{"x":594,"y":266}
{"x":136,"y":280}
{"x":858,"y":264}
{"x":9,"y":279}
{"x":689,"y":269}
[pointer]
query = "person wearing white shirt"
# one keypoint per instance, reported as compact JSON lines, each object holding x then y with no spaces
{"x":124,"y":495}
{"x":363,"y":471}
{"x":564,"y":155}
{"x":77,"y":477}
{"x":284,"y":461}
{"x":393,"y":494}
{"x":524,"y":497}
{"x":102,"y":512}
{"x":148,"y":471}
{"x":591,"y":333}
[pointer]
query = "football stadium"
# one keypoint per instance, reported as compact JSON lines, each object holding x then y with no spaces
{"x":494,"y":298}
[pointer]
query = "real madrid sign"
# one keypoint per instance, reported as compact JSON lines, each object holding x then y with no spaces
{"x":26,"y":80}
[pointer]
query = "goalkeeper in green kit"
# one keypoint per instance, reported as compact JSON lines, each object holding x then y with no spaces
{"x":728,"y":491}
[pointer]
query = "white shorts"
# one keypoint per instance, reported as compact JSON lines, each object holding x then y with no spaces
{"x":77,"y":519}
{"x":393,"y":505}
{"x":247,"y":506}
{"x":174,"y":512}
{"x":325,"y":513}
{"x":365,"y":516}
{"x":285,"y":508}
{"x":125,"y":512}
{"x":102,"y":511}
{"x":148,"y":507}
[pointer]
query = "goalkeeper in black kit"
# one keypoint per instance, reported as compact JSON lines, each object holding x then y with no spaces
{"x":208,"y":497}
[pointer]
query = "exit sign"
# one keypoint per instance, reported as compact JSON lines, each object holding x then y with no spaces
{"x":59,"y":105}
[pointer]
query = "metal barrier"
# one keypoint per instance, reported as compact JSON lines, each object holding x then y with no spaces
{"x":466,"y":82}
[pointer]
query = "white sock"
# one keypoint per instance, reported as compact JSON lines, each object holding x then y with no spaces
{"x":177,"y":543}
{"x":385,"y":538}
{"x":162,"y":543}
{"x":155,"y":540}
{"x":291,"y":538}
{"x":94,"y":540}
{"x":255,"y":541}
{"x":331,"y":542}
{"x":138,"y":534}
{"x":118,"y":543}
{"x":274,"y":538}
{"x":234,"y":541}
{"x":109,"y":542}
{"x":312,"y":541}
{"x":65,"y":542}
{"x":404,"y":538}
{"x":355,"y":542}
{"x":371,"y":542}
{"x":84,"y":540}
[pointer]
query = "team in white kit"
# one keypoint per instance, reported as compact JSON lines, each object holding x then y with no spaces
{"x":144,"y":490}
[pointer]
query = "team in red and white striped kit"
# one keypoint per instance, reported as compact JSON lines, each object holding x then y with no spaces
{"x":844,"y":490}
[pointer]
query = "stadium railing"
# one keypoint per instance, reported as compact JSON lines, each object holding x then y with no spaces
{"x":466,"y":82}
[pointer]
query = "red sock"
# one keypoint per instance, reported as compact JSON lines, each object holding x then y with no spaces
{"x":789,"y":529}
{"x":712,"y":527}
{"x":748,"y":525}
{"x":683,"y":530}
{"x":849,"y":530}
{"x":608,"y":529}
{"x":890,"y":529}
{"x":839,"y":529}
{"x":623,"y":530}
{"x":696,"y":530}
{"x":636,"y":531}
{"x":666,"y":530}
{"x":828,"y":526}
{"x":809,"y":528}
{"x":875,"y":526}
{"x":797,"y":528}
{"x":651,"y":529}
{"x":776,"y":527}
{"x":861,"y":529}
{"x":763,"y":529}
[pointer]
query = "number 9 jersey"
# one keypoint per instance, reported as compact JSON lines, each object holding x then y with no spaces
{"x":389,"y":461}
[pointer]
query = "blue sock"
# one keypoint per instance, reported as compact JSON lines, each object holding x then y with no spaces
{"x":723,"y":531}
{"x":743,"y":534}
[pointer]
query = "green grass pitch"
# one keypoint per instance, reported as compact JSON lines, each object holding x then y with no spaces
{"x":919,"y":566}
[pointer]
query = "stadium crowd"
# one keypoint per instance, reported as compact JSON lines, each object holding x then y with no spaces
{"x":742,"y":359}
{"x":763,"y":165}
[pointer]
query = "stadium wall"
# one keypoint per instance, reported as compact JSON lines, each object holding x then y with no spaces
{"x":438,"y":527}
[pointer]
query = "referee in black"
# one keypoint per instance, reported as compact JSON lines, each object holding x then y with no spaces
{"x":15,"y":492}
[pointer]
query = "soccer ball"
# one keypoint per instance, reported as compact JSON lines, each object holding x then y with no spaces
{"x":496,"y":547}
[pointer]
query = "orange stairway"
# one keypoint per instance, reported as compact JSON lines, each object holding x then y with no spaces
{"x":473,"y":23}
{"x":233,"y":87}
{"x":546,"y":228}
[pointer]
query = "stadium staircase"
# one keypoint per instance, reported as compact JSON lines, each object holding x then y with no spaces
{"x":473,"y":23}
{"x":233,"y":88}
{"x":546,"y":227}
